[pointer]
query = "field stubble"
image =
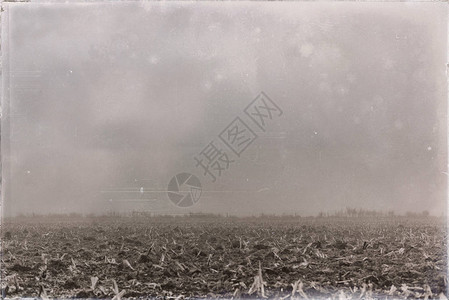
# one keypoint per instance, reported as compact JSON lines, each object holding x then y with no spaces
{"x":337,"y":258}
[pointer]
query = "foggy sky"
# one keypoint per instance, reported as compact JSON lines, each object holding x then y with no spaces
{"x":107,"y":98}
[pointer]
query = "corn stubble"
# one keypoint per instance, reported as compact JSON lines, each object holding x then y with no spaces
{"x":180,"y":258}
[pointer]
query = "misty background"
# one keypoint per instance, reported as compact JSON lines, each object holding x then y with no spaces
{"x":106,"y":100}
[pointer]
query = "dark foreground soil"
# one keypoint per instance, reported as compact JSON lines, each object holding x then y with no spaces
{"x":347,"y":258}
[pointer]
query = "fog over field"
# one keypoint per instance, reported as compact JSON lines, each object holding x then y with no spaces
{"x":109,"y":101}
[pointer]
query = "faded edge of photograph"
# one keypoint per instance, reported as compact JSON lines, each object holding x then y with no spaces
{"x":224,"y":150}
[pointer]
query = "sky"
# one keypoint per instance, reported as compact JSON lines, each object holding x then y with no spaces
{"x":107,"y":102}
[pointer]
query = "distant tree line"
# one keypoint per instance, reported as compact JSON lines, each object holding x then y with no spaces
{"x":343,"y":213}
{"x":360,"y":212}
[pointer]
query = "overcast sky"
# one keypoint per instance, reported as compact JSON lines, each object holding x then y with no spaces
{"x":107,"y":98}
